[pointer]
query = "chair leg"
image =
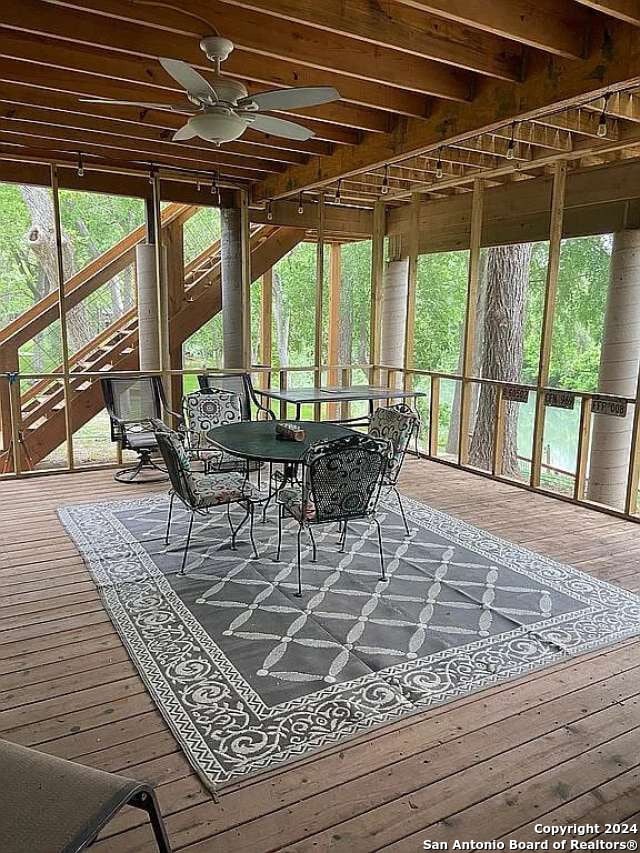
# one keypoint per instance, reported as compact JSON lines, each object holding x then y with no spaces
{"x":280,"y":512}
{"x":253,"y":541}
{"x":186,"y":545}
{"x":298,"y":594}
{"x":314,"y":557}
{"x":377,"y":523}
{"x":166,"y":536}
{"x":343,"y":538}
{"x":404,"y":517}
{"x":148,"y":803}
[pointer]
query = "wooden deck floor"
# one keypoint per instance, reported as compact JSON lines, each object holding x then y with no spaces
{"x":561,"y":746}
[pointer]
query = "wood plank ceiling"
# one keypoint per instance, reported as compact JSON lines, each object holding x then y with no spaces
{"x":429,"y":89}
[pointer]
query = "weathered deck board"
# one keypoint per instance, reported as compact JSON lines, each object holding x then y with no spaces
{"x":563,"y":742}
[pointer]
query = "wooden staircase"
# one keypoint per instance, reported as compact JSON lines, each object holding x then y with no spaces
{"x":42,"y":410}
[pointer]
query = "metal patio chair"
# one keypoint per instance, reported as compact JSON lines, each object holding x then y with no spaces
{"x":202,"y":493}
{"x":240,"y":384}
{"x":398,"y":424}
{"x":131,"y":404}
{"x":341,"y":482}
{"x":51,"y":805}
{"x":204,"y":410}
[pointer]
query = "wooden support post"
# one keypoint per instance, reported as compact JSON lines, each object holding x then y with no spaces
{"x":434,"y":416}
{"x":633,"y":478}
{"x":555,"y":241}
{"x":245,"y":236}
{"x":333,"y":347}
{"x":377,"y":280}
{"x":466,"y":395}
{"x":498,"y":434}
{"x":582,"y":460}
{"x":64,"y":340}
{"x":16,"y":425}
{"x":345,"y":381}
{"x":319,"y":338}
{"x":266,"y":322}
{"x":162,"y":283}
{"x":174,"y":242}
{"x":8,"y":364}
{"x":283,"y":383}
{"x":412,"y":277}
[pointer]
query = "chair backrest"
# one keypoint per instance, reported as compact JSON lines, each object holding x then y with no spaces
{"x":343,"y":476}
{"x":138,"y":398}
{"x":238,"y":383}
{"x":398,"y":424}
{"x":177,"y":461}
{"x":204,"y":410}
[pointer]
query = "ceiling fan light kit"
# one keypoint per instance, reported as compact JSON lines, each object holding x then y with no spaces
{"x":223,"y":109}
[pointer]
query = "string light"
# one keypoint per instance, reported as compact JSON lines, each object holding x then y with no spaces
{"x":300,"y":204}
{"x":602,"y":122}
{"x":269,"y":210}
{"x":339,"y":191}
{"x":511,"y":147}
{"x":151,"y":174}
{"x":439,"y":170}
{"x":384,"y":189}
{"x":80,"y":165}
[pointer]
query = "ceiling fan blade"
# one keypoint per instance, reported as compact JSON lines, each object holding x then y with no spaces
{"x":278,"y":127}
{"x":185,"y":132}
{"x":291,"y":99}
{"x":149,"y":106}
{"x":189,"y":79}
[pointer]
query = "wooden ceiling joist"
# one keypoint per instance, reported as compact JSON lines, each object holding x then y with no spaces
{"x":624,"y":10}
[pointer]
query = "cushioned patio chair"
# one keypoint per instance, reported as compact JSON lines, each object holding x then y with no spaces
{"x":131,"y":404}
{"x":50,"y":805}
{"x":398,"y":424}
{"x":341,"y":481}
{"x":201,"y":493}
{"x":204,"y":410}
{"x":240,"y":384}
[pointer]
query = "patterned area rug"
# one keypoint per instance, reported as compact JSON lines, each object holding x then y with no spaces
{"x":250,"y":677}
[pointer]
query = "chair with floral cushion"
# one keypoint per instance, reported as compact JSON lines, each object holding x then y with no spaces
{"x":240,"y":384}
{"x":398,"y":424}
{"x":202,"y":412}
{"x":201,"y":493}
{"x":341,"y":481}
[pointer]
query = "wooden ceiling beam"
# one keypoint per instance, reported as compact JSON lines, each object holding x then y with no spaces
{"x":556,"y":27}
{"x":391,"y":25}
{"x":88,"y":85}
{"x":553,"y":83}
{"x":624,"y":10}
{"x":69,"y":140}
{"x":143,"y":29}
{"x":52,"y":118}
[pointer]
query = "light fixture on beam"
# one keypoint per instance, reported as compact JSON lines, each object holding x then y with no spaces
{"x":384,"y":189}
{"x":511,"y":147}
{"x":439,"y":169}
{"x":80,"y":165}
{"x":300,"y":204}
{"x":269,"y":210}
{"x":602,"y":121}
{"x":339,"y":191}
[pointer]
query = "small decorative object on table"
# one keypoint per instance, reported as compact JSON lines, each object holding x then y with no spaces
{"x":290,"y":432}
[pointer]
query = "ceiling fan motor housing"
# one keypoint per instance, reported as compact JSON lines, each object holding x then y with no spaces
{"x":216,"y":47}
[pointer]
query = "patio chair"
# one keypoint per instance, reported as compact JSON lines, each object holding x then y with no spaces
{"x":341,"y":482}
{"x":201,"y":493}
{"x":131,"y":404}
{"x":398,"y":424}
{"x":241,"y":384}
{"x":204,"y":410}
{"x":50,"y":805}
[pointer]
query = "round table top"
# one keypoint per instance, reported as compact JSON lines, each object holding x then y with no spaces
{"x":256,"y":440}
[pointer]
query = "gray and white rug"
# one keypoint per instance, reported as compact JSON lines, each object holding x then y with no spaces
{"x":250,"y":677}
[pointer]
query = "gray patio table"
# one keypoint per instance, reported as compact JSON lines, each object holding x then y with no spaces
{"x":299,"y":397}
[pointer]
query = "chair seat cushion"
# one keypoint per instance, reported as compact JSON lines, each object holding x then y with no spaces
{"x":291,"y":499}
{"x":223,"y":488}
{"x":141,"y":440}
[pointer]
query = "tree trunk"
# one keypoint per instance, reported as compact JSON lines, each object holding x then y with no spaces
{"x":282,"y":317}
{"x":611,"y":439}
{"x":503,"y":328}
{"x":346,"y":320}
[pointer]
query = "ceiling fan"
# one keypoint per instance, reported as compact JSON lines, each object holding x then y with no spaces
{"x":223,"y":109}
